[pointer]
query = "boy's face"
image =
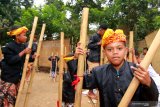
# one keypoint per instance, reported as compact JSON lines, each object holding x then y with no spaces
{"x":101,"y":31}
{"x":138,"y":59}
{"x":21,"y":37}
{"x":144,"y":51}
{"x":115,"y":52}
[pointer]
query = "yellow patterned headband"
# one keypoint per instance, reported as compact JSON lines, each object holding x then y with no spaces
{"x":17,"y":31}
{"x":68,"y":58}
{"x":111,"y":36}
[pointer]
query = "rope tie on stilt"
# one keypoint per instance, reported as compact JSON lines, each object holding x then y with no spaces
{"x":76,"y":81}
{"x":57,"y":103}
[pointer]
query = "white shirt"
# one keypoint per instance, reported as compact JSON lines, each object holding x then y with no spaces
{"x":155,"y":76}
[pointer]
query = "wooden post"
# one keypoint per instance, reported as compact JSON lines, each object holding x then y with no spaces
{"x":145,"y":63}
{"x":81,"y":58}
{"x":61,"y":71}
{"x":34,"y":65}
{"x":102,"y":56}
{"x":65,"y":53}
{"x":130,"y":46}
{"x":26,"y":62}
{"x":101,"y":63}
{"x":1,"y":55}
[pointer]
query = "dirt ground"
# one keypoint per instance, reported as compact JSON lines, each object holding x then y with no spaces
{"x":44,"y":92}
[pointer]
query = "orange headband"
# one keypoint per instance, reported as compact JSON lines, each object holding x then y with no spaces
{"x":17,"y":31}
{"x":111,"y":36}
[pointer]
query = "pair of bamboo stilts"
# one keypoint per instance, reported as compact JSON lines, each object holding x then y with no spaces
{"x":26,"y":63}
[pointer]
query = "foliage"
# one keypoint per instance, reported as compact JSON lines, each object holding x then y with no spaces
{"x":141,"y":16}
{"x":10,"y":11}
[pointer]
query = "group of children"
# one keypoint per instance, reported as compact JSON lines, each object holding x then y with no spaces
{"x":112,"y":79}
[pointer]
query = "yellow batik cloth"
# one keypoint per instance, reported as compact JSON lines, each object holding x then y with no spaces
{"x":17,"y":31}
{"x":111,"y":36}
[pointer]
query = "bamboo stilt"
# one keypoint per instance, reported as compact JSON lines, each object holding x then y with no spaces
{"x":65,"y":53}
{"x":1,"y":55}
{"x":131,"y":46}
{"x":101,"y":63}
{"x":34,"y":66}
{"x":81,"y":58}
{"x":61,"y":71}
{"x":26,"y":62}
{"x":145,"y":63}
{"x":102,"y":56}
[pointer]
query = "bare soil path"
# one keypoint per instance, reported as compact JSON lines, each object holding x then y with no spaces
{"x":44,"y":92}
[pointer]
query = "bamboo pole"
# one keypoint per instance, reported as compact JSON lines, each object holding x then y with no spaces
{"x":145,"y":63}
{"x":130,"y":46}
{"x":101,"y":63}
{"x":61,"y":71}
{"x":56,"y":68}
{"x":1,"y":55}
{"x":34,"y":65}
{"x":102,"y":56}
{"x":65,"y":53}
{"x":26,"y":61}
{"x":81,"y":58}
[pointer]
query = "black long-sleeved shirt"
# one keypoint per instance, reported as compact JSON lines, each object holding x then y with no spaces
{"x":94,"y":53}
{"x":12,"y":64}
{"x":112,"y":84}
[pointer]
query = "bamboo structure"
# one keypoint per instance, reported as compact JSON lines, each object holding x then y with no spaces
{"x":26,"y":62}
{"x":131,"y":46}
{"x":81,"y":58}
{"x":34,"y":65}
{"x":145,"y":63}
{"x":61,"y":71}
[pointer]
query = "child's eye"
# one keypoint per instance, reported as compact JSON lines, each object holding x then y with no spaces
{"x":109,"y":49}
{"x":120,"y":48}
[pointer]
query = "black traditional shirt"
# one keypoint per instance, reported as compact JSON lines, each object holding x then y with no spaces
{"x":12,"y":64}
{"x":112,"y":85}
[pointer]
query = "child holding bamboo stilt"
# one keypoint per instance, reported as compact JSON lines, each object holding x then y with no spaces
{"x":113,"y":79}
{"x":12,"y":66}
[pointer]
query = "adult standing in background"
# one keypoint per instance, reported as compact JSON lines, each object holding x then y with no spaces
{"x":94,"y":47}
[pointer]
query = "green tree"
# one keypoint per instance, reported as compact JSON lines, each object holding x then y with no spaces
{"x":10,"y":10}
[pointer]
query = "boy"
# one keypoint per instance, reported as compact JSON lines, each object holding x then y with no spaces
{"x":155,"y":76}
{"x":54,"y":60}
{"x":12,"y":66}
{"x":112,"y":80}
